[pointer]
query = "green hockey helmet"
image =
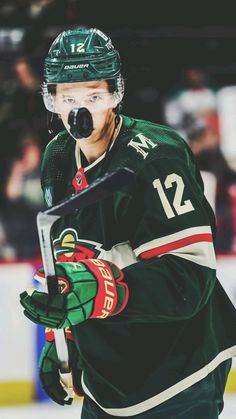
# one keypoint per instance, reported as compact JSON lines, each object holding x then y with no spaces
{"x":80,"y":55}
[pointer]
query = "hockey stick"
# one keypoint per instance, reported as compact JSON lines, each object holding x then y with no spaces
{"x":98,"y":190}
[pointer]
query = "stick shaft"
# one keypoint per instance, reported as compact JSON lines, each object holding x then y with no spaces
{"x":100,"y":189}
{"x":44,"y":223}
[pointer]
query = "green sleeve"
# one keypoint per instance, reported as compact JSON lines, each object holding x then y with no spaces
{"x":176,"y":269}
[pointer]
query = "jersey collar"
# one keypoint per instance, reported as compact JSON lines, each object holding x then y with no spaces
{"x":78,"y":153}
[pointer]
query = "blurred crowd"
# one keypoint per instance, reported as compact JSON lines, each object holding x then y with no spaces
{"x":24,"y":135}
{"x":200,"y":110}
{"x":26,"y":31}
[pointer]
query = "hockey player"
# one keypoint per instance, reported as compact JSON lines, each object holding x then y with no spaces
{"x":151,"y":332}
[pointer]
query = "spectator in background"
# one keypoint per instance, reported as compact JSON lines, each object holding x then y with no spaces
{"x":21,"y":106}
{"x":40,"y":12}
{"x":27,"y":104}
{"x":196,"y":96}
{"x":7,"y":252}
{"x":45,"y":16}
{"x":24,"y":198}
{"x":204,"y":141}
{"x":12,"y":12}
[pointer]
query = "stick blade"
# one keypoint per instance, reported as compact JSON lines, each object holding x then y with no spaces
{"x":101,"y":188}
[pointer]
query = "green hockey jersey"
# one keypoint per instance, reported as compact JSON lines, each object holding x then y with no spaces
{"x":179,"y":324}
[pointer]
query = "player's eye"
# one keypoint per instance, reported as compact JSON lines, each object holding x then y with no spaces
{"x":68,"y":100}
{"x":94,"y":98}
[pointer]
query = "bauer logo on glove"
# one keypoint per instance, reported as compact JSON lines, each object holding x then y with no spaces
{"x":93,"y":288}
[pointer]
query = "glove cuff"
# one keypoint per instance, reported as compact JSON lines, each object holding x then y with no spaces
{"x":106,"y":298}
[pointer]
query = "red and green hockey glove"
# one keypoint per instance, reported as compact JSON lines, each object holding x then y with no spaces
{"x":49,"y":369}
{"x":93,"y":288}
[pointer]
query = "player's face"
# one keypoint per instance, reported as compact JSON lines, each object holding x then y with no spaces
{"x":93,"y":95}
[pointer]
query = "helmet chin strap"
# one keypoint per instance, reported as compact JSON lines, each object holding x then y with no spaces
{"x":50,"y":120}
{"x":81,"y":122}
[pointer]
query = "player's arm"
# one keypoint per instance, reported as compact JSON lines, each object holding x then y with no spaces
{"x":92,"y":288}
{"x":173,"y":241}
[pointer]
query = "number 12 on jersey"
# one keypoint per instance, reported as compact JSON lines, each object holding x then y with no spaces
{"x":177,"y":204}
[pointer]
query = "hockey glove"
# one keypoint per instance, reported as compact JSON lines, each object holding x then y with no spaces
{"x":93,"y":288}
{"x":49,"y":369}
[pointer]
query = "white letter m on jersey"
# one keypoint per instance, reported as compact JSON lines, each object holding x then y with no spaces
{"x":143,"y":143}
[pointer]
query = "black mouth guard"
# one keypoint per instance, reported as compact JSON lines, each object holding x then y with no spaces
{"x":81,"y":122}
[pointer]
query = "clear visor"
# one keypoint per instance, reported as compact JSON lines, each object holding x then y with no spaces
{"x":61,"y":103}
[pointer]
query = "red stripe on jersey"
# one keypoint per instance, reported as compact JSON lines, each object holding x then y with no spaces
{"x":165,"y":248}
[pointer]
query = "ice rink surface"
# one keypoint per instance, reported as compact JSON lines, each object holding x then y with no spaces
{"x":50,"y":410}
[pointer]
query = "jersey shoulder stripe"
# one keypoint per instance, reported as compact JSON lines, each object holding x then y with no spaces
{"x":194,"y":244}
